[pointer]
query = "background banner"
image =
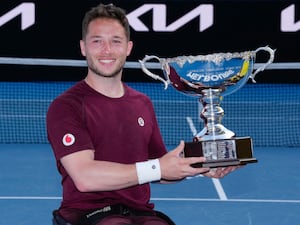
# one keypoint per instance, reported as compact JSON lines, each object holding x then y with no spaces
{"x":52,"y":30}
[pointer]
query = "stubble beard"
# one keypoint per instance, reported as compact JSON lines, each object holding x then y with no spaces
{"x":98,"y":72}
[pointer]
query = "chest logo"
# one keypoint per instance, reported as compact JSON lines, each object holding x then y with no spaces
{"x":68,"y":139}
{"x":141,"y":121}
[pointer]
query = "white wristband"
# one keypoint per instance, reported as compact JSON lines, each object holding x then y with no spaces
{"x":148,"y":171}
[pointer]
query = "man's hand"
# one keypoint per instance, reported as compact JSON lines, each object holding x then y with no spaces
{"x":220,"y":172}
{"x":175,"y":167}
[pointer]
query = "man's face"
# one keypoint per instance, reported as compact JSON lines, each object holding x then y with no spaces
{"x":105,"y":47}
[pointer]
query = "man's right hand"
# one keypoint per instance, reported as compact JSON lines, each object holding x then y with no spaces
{"x":175,"y":167}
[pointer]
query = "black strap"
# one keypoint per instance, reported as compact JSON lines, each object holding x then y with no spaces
{"x":98,"y":214}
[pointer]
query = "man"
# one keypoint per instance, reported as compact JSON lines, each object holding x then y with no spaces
{"x":106,"y":139}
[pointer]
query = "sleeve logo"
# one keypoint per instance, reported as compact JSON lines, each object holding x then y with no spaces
{"x":141,"y":121}
{"x":68,"y":139}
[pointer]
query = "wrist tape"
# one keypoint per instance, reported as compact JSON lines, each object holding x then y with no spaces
{"x":148,"y":171}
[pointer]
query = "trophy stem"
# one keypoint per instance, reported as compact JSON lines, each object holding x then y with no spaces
{"x":212,"y":115}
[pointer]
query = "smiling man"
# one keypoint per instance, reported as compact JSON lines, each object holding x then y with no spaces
{"x":106,"y":139}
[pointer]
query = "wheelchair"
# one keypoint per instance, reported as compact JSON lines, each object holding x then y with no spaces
{"x":58,"y":220}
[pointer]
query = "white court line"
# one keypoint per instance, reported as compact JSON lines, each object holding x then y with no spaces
{"x":216,"y":182}
{"x":191,"y":125}
{"x":165,"y":199}
{"x":229,"y":200}
{"x":219,"y":188}
{"x":29,"y":198}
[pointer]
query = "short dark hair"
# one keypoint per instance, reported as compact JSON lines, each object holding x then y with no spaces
{"x":105,"y":11}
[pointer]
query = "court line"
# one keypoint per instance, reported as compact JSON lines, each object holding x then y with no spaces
{"x":191,"y":125}
{"x":150,"y":65}
{"x":165,"y":199}
{"x":218,"y":186}
{"x":29,"y":198}
{"x":228,"y":200}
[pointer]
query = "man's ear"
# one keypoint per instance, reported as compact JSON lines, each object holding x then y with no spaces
{"x":82,"y":47}
{"x":129,"y":47}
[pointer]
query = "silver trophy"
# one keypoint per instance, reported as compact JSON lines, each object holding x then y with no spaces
{"x":210,"y":78}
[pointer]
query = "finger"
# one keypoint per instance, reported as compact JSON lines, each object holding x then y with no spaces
{"x":215,"y":173}
{"x":221,"y":171}
{"x":193,"y":160}
{"x":179,"y":149}
{"x":191,"y":171}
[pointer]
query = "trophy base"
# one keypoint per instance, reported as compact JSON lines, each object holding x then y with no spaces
{"x":221,"y":153}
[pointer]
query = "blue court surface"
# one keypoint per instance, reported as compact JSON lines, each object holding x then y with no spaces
{"x":265,"y":193}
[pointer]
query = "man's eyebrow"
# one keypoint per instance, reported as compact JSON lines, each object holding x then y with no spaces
{"x":96,"y":36}
{"x":115,"y":37}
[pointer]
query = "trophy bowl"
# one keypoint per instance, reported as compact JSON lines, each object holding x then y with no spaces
{"x":210,"y":78}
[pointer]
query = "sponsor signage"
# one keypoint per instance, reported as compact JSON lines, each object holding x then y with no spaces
{"x":52,"y":30}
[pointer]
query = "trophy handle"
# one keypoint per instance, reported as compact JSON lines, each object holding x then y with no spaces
{"x":263,"y":67}
{"x":149,"y":73}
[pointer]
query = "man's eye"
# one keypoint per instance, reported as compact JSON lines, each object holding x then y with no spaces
{"x":116,"y":41}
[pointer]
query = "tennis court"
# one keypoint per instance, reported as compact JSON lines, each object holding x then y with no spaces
{"x":265,"y":193}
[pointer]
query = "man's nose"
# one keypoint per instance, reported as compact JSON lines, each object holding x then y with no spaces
{"x":106,"y":47}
